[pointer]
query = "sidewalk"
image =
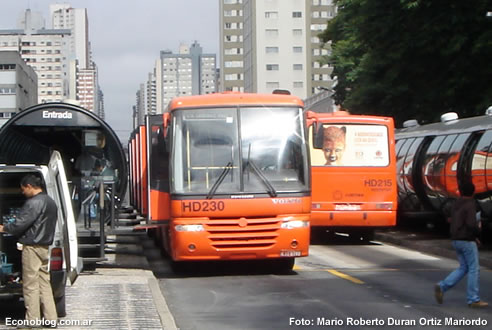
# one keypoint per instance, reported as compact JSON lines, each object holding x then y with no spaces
{"x":121,"y":293}
{"x":115,"y":298}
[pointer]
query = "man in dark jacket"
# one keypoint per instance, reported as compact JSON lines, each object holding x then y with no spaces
{"x":464,"y":230}
{"x":35,"y":226}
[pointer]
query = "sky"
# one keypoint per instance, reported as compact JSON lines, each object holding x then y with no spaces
{"x":126,"y":37}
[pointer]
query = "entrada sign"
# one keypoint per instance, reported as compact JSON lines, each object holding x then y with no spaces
{"x":56,"y":115}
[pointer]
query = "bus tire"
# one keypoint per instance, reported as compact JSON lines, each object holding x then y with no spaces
{"x":318,"y":235}
{"x":181,"y":267}
{"x":283,"y":265}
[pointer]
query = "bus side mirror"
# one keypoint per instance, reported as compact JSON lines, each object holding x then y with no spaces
{"x":318,"y":136}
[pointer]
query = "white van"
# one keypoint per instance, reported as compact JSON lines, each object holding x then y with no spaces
{"x":64,"y":261}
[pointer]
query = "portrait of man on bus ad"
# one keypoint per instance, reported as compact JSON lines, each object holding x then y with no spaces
{"x":350,"y":145}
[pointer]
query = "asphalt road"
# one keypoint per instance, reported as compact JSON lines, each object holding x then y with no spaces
{"x":340,"y":285}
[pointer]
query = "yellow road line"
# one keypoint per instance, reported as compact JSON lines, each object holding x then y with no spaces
{"x":345,"y":276}
{"x":365,"y":270}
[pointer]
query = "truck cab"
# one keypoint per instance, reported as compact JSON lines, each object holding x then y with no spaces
{"x":64,"y":260}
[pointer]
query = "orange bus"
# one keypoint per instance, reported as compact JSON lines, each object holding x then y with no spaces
{"x":228,"y":178}
{"x":137,"y":165}
{"x":353,"y":169}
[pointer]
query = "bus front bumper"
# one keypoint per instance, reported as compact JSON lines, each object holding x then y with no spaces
{"x":240,"y":239}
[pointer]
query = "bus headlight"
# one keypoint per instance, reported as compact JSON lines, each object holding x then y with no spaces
{"x":181,"y":228}
{"x":294,"y":224}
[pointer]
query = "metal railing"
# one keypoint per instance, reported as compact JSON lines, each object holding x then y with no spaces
{"x":102,"y":196}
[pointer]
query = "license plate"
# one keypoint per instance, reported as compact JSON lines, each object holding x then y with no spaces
{"x":290,"y":253}
{"x":347,"y":207}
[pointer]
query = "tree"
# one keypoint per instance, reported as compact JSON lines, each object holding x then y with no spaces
{"x":412,"y":58}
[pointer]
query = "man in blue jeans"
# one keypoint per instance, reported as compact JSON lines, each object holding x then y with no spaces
{"x":464,"y":230}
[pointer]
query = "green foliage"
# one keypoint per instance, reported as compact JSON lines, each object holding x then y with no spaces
{"x":412,"y":58}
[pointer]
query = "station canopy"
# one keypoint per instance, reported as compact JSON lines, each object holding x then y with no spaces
{"x":85,"y":141}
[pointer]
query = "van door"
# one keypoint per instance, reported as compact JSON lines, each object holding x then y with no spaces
{"x":73,"y":263}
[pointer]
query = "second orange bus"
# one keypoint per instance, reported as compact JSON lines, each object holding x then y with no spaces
{"x":353,"y":170}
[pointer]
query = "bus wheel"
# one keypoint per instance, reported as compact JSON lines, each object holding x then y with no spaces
{"x":181,"y":267}
{"x":283,"y":265}
{"x":318,"y":235}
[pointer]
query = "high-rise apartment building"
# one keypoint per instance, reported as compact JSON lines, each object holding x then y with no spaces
{"x":231,"y":45}
{"x":151,"y":86}
{"x":273,"y":44}
{"x":141,"y":103}
{"x":60,"y":56}
{"x":189,"y":72}
{"x":45,"y":50}
{"x":63,"y":16}
{"x":320,"y":12}
{"x":100,"y":104}
{"x":86,"y":90}
{"x":18,"y":85}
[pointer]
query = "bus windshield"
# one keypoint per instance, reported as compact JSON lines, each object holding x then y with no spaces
{"x":252,"y":150}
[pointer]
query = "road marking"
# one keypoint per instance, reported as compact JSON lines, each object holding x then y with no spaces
{"x":344,"y":276}
{"x":331,"y":257}
{"x":371,"y":270}
{"x":404,"y":253}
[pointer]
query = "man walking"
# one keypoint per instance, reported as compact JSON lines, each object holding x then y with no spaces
{"x":464,"y":230}
{"x":35,"y":227}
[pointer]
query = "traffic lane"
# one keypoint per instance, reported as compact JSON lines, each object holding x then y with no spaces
{"x":388,"y":260}
{"x":372,"y":255}
{"x":404,"y":276}
{"x":312,"y":299}
{"x":318,"y":292}
{"x":416,"y":285}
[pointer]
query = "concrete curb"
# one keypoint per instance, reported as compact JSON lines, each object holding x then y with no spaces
{"x":165,"y":315}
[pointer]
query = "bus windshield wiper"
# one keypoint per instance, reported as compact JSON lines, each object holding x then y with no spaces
{"x":271,"y":191}
{"x":221,"y":178}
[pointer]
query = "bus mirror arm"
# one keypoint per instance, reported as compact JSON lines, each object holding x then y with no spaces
{"x":318,"y":136}
{"x":167,"y":120}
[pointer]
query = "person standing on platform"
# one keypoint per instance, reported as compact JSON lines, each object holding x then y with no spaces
{"x":35,"y":226}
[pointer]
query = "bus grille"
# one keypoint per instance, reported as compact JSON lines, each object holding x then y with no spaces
{"x":243,"y":233}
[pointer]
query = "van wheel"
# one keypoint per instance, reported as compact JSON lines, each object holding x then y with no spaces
{"x":61,"y":309}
